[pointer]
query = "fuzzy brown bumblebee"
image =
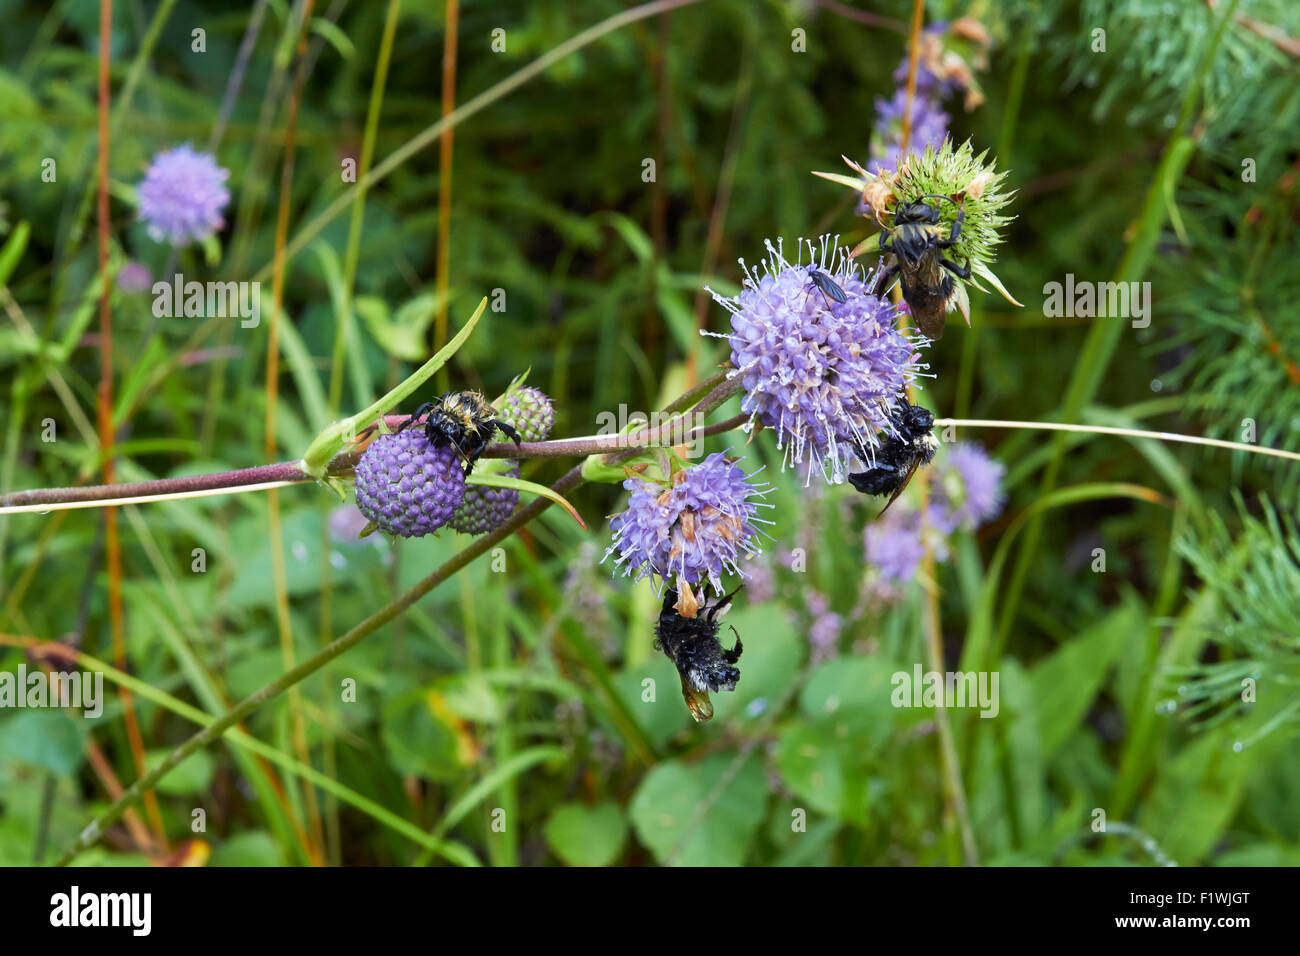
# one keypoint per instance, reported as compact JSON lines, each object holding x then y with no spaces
{"x":917,"y":243}
{"x":464,"y":420}
{"x":692,"y":644}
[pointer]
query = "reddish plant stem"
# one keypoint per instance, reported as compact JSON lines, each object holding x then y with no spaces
{"x":104,"y":409}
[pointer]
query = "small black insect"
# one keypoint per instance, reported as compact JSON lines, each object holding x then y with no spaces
{"x":917,"y":244}
{"x":830,"y":289}
{"x":691,"y":643}
{"x":913,"y":444}
{"x":464,"y":420}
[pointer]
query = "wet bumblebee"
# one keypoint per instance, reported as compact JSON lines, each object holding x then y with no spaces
{"x":692,"y":644}
{"x":911,"y":445}
{"x":464,"y":420}
{"x":917,"y":243}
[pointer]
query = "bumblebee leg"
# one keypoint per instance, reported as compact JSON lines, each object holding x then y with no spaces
{"x":961,"y":272}
{"x":956,"y":231}
{"x":885,"y":246}
{"x":423,"y":409}
{"x":508,"y":429}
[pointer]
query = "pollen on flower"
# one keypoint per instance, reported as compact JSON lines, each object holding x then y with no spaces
{"x":693,"y":531}
{"x":822,"y":373}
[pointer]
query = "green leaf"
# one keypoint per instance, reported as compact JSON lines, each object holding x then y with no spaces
{"x":531,"y":487}
{"x":253,"y":848}
{"x":13,"y":251}
{"x":418,"y":743}
{"x":50,"y":738}
{"x":332,"y":439}
{"x":587,"y":836}
{"x":401,"y":335}
{"x":773,"y":654}
{"x":1065,"y":684}
{"x":691,"y":816}
{"x":825,"y":769}
{"x":192,"y":775}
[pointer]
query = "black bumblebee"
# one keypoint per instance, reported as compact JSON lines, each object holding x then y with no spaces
{"x":464,"y":420}
{"x":692,"y":644}
{"x":913,"y":444}
{"x":917,"y":244}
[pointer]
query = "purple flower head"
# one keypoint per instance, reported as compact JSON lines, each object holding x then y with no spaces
{"x":485,"y":508}
{"x":183,"y":196}
{"x":929,"y":127}
{"x":820,"y":372}
{"x":895,"y":546}
{"x":408,"y":487}
{"x":694,"y":530}
{"x":134,"y":277}
{"x":967,"y":488}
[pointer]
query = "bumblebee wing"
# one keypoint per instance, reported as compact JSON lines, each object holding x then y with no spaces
{"x":930,"y":323}
{"x":902,"y":486}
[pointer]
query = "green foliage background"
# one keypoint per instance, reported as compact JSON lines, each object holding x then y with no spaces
{"x":518,"y":696}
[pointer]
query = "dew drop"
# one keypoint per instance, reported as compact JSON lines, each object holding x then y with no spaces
{"x":1238,"y":747}
{"x":1157,"y":385}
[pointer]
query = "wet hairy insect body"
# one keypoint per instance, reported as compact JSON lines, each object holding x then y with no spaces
{"x":465,"y":421}
{"x":911,"y":445}
{"x":917,"y":243}
{"x":692,"y":644}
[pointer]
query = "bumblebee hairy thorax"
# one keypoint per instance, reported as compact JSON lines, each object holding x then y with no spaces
{"x":911,"y":445}
{"x":691,"y":643}
{"x":465,"y":421}
{"x":917,"y":243}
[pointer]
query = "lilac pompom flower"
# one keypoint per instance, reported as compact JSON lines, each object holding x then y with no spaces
{"x":407,"y":486}
{"x":693,"y":530}
{"x":822,"y":373}
{"x":183,"y":196}
{"x":967,"y":488}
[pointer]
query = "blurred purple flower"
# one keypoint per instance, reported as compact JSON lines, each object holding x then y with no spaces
{"x":183,"y":196}
{"x":967,"y":488}
{"x":929,"y":127}
{"x":821,"y":373}
{"x":895,"y":546}
{"x":760,"y":581}
{"x":134,"y":277}
{"x":824,"y":634}
{"x":695,"y":530}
